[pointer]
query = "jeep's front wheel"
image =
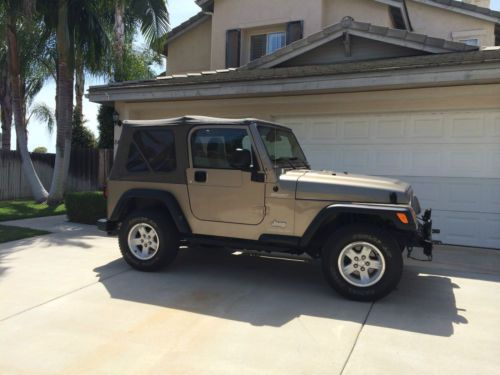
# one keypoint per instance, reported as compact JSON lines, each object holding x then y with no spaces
{"x":362,"y":263}
{"x":148,"y":240}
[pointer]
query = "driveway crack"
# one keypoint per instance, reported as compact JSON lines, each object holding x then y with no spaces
{"x":63,"y":295}
{"x":357,"y":338}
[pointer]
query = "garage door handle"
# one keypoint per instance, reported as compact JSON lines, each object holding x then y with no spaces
{"x":200,"y":176}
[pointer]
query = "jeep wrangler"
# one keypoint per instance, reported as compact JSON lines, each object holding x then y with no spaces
{"x":247,"y":185}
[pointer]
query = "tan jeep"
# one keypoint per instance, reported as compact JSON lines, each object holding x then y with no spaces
{"x":246,"y":184}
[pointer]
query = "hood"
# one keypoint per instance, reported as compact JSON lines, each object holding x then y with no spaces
{"x":342,"y":187}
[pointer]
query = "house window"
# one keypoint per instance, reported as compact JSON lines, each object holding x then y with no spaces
{"x":470,"y":41}
{"x":265,"y":44}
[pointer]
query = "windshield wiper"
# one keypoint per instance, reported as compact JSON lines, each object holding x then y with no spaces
{"x":286,"y":160}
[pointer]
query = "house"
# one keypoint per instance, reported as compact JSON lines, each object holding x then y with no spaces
{"x":401,"y":88}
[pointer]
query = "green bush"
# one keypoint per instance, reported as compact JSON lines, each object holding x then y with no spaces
{"x":85,"y":207}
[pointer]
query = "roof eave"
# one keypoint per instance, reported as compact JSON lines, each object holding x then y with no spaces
{"x":468,"y":12}
{"x":417,"y":77}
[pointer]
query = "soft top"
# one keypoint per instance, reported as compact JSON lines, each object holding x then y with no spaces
{"x":196,"y":120}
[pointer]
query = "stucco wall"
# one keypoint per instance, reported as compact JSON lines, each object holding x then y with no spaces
{"x":425,"y":99}
{"x":190,"y":52}
{"x":441,"y":23}
{"x":361,"y":10}
{"x":243,"y":14}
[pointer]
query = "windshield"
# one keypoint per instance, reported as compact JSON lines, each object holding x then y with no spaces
{"x":282,"y":147}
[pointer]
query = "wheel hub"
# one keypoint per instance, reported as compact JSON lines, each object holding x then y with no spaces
{"x":361,"y":264}
{"x":143,"y":241}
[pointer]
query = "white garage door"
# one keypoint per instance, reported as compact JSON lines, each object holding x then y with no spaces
{"x":452,"y":159}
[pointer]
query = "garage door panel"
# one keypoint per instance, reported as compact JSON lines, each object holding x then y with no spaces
{"x":426,"y":128}
{"x":458,"y":228}
{"x":456,"y":194}
{"x":494,"y":126}
{"x":356,"y":129}
{"x":391,"y":128}
{"x":451,"y":158}
{"x":416,"y":159}
{"x":354,"y":160}
{"x":468,"y":127}
{"x":323,"y":131}
{"x":439,"y":128}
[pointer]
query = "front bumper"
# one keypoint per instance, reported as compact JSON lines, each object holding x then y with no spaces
{"x":424,"y":234}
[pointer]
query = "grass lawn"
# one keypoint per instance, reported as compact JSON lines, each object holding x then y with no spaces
{"x":25,"y":209}
{"x":8,"y":233}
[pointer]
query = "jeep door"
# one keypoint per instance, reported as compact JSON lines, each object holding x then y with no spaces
{"x":223,"y":178}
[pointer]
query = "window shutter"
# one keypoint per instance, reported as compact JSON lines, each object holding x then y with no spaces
{"x":233,"y":48}
{"x":294,"y":31}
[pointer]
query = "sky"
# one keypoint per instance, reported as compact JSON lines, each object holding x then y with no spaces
{"x":38,"y":135}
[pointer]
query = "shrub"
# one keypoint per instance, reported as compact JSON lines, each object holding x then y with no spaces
{"x":40,"y":150}
{"x":85,"y":207}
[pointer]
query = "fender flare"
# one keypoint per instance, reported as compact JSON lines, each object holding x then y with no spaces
{"x":385,"y":212}
{"x":165,"y":197}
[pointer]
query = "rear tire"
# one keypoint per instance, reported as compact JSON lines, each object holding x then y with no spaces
{"x":362,"y":263}
{"x":149,"y":240}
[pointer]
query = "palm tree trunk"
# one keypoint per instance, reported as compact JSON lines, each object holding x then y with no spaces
{"x":6,"y":104}
{"x":6,"y":116}
{"x":119,"y":42}
{"x":64,"y":105}
{"x":79,"y":81}
{"x":37,"y":189}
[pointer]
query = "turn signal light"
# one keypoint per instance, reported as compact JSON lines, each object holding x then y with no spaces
{"x":402,"y":217}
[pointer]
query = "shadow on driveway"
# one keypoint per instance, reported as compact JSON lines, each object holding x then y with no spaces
{"x":265,"y":291}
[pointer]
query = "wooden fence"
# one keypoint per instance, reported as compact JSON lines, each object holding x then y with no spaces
{"x":88,"y":170}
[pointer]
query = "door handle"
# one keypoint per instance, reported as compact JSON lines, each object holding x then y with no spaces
{"x":200,"y":176}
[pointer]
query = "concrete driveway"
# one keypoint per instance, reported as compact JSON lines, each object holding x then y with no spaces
{"x":69,"y":304}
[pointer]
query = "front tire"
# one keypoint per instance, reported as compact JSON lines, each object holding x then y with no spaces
{"x":362,"y":263}
{"x":149,"y":240}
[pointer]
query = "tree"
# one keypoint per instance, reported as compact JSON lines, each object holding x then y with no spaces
{"x":106,"y":127}
{"x":76,"y":22}
{"x":40,"y":150}
{"x":82,"y":137}
{"x":150,"y":15}
{"x":17,"y":24}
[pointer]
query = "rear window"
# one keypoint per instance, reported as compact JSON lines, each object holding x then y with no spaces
{"x":152,"y":150}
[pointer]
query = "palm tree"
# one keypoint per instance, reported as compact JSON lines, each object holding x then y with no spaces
{"x":150,"y":15}
{"x":13,"y":27}
{"x":76,"y":22}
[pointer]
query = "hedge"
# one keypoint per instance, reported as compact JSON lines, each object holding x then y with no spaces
{"x":85,"y":207}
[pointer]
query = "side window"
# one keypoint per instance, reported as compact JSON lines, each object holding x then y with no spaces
{"x":218,"y":148}
{"x":152,"y":150}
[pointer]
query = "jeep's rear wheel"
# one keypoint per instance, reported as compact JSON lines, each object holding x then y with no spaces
{"x":149,"y":240}
{"x":362,"y":263}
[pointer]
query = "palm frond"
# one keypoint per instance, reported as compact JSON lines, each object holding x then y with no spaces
{"x":43,"y":113}
{"x":154,"y":19}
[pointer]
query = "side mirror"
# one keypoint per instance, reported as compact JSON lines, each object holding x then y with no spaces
{"x":241,"y":159}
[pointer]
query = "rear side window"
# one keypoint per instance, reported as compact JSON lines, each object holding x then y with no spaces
{"x":152,"y":150}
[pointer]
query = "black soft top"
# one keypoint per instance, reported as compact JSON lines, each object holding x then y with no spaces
{"x":197,"y":120}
